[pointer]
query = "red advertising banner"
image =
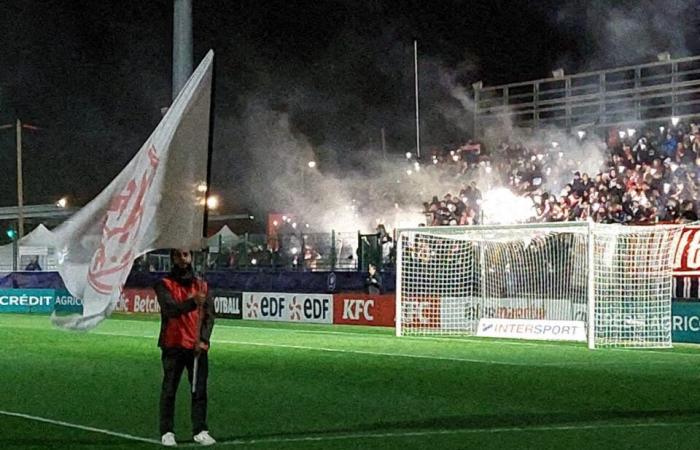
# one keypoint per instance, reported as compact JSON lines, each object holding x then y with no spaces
{"x":686,"y":257}
{"x":420,"y":311}
{"x":138,"y":300}
{"x":364,"y":309}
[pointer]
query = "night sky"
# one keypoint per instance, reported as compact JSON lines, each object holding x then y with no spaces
{"x":323,"y":77}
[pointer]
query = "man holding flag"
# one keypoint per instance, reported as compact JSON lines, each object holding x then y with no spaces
{"x":187,"y":320}
{"x":153,"y":203}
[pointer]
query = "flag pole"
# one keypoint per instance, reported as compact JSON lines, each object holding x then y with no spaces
{"x":210,"y":148}
{"x":205,"y":223}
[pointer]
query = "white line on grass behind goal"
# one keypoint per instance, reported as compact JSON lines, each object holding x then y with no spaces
{"x":395,"y":355}
{"x":79,"y":427}
{"x":417,"y":339}
{"x":340,"y":350}
{"x":454,"y":339}
{"x":404,"y":434}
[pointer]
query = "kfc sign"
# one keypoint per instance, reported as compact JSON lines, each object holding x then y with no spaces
{"x":363,"y":309}
{"x":420,"y":312}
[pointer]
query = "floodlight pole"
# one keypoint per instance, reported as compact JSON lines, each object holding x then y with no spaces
{"x":415,"y":66}
{"x":182,"y":44}
{"x":18,"y":125}
{"x":383,"y":144}
{"x":20,"y":186}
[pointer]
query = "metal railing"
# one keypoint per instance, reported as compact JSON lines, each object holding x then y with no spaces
{"x":334,"y":251}
{"x":652,"y":92}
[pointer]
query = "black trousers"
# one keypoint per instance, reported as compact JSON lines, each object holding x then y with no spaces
{"x":175,"y":360}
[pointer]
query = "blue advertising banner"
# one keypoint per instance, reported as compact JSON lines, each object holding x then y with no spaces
{"x":41,"y":301}
{"x":65,"y":303}
{"x":26,"y":300}
{"x":685,"y":322}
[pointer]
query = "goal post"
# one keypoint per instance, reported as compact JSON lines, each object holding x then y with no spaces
{"x":607,"y":284}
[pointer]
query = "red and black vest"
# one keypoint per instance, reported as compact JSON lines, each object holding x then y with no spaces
{"x":181,"y":331}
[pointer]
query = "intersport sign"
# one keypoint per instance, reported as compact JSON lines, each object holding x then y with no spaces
{"x":286,"y":307}
{"x":550,"y":330}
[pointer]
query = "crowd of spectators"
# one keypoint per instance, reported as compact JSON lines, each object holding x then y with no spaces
{"x":644,"y":176}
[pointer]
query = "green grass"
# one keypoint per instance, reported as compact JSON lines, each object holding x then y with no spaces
{"x":285,"y":386}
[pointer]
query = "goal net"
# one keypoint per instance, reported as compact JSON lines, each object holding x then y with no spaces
{"x":611,"y":283}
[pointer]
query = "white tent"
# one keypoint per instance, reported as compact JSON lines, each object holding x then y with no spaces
{"x":39,"y":237}
{"x":38,"y":243}
{"x":223,"y":239}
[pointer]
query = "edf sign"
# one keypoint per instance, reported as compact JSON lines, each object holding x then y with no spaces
{"x":272,"y":306}
{"x":317,"y":308}
{"x":285,"y":307}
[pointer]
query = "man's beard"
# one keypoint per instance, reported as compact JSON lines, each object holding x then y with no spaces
{"x":183,"y":275}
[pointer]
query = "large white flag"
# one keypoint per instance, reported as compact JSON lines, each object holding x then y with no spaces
{"x":153,"y":203}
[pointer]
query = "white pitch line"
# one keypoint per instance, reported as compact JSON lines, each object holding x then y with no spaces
{"x":468,"y":339}
{"x":80,"y":427}
{"x":399,"y":434}
{"x":455,"y":339}
{"x":396,"y":355}
{"x":424,"y":339}
{"x":365,"y":352}
{"x":356,"y":352}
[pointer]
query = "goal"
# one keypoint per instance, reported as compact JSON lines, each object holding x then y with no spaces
{"x":609,"y":283}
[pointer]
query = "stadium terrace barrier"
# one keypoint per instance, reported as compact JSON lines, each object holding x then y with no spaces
{"x":645,"y":92}
{"x":301,"y":282}
{"x":31,"y":280}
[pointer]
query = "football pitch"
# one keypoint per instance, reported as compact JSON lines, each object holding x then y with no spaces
{"x":287,"y":386}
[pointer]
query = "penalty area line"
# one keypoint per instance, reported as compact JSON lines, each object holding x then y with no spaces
{"x":79,"y":427}
{"x":405,"y":434}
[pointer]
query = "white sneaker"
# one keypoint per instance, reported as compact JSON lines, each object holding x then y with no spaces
{"x":168,"y":439}
{"x":203,"y":438}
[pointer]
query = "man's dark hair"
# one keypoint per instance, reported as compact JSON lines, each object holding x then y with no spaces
{"x":173,"y":250}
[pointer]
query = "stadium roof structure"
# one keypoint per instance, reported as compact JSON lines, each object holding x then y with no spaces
{"x":47,"y":211}
{"x":652,"y":92}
